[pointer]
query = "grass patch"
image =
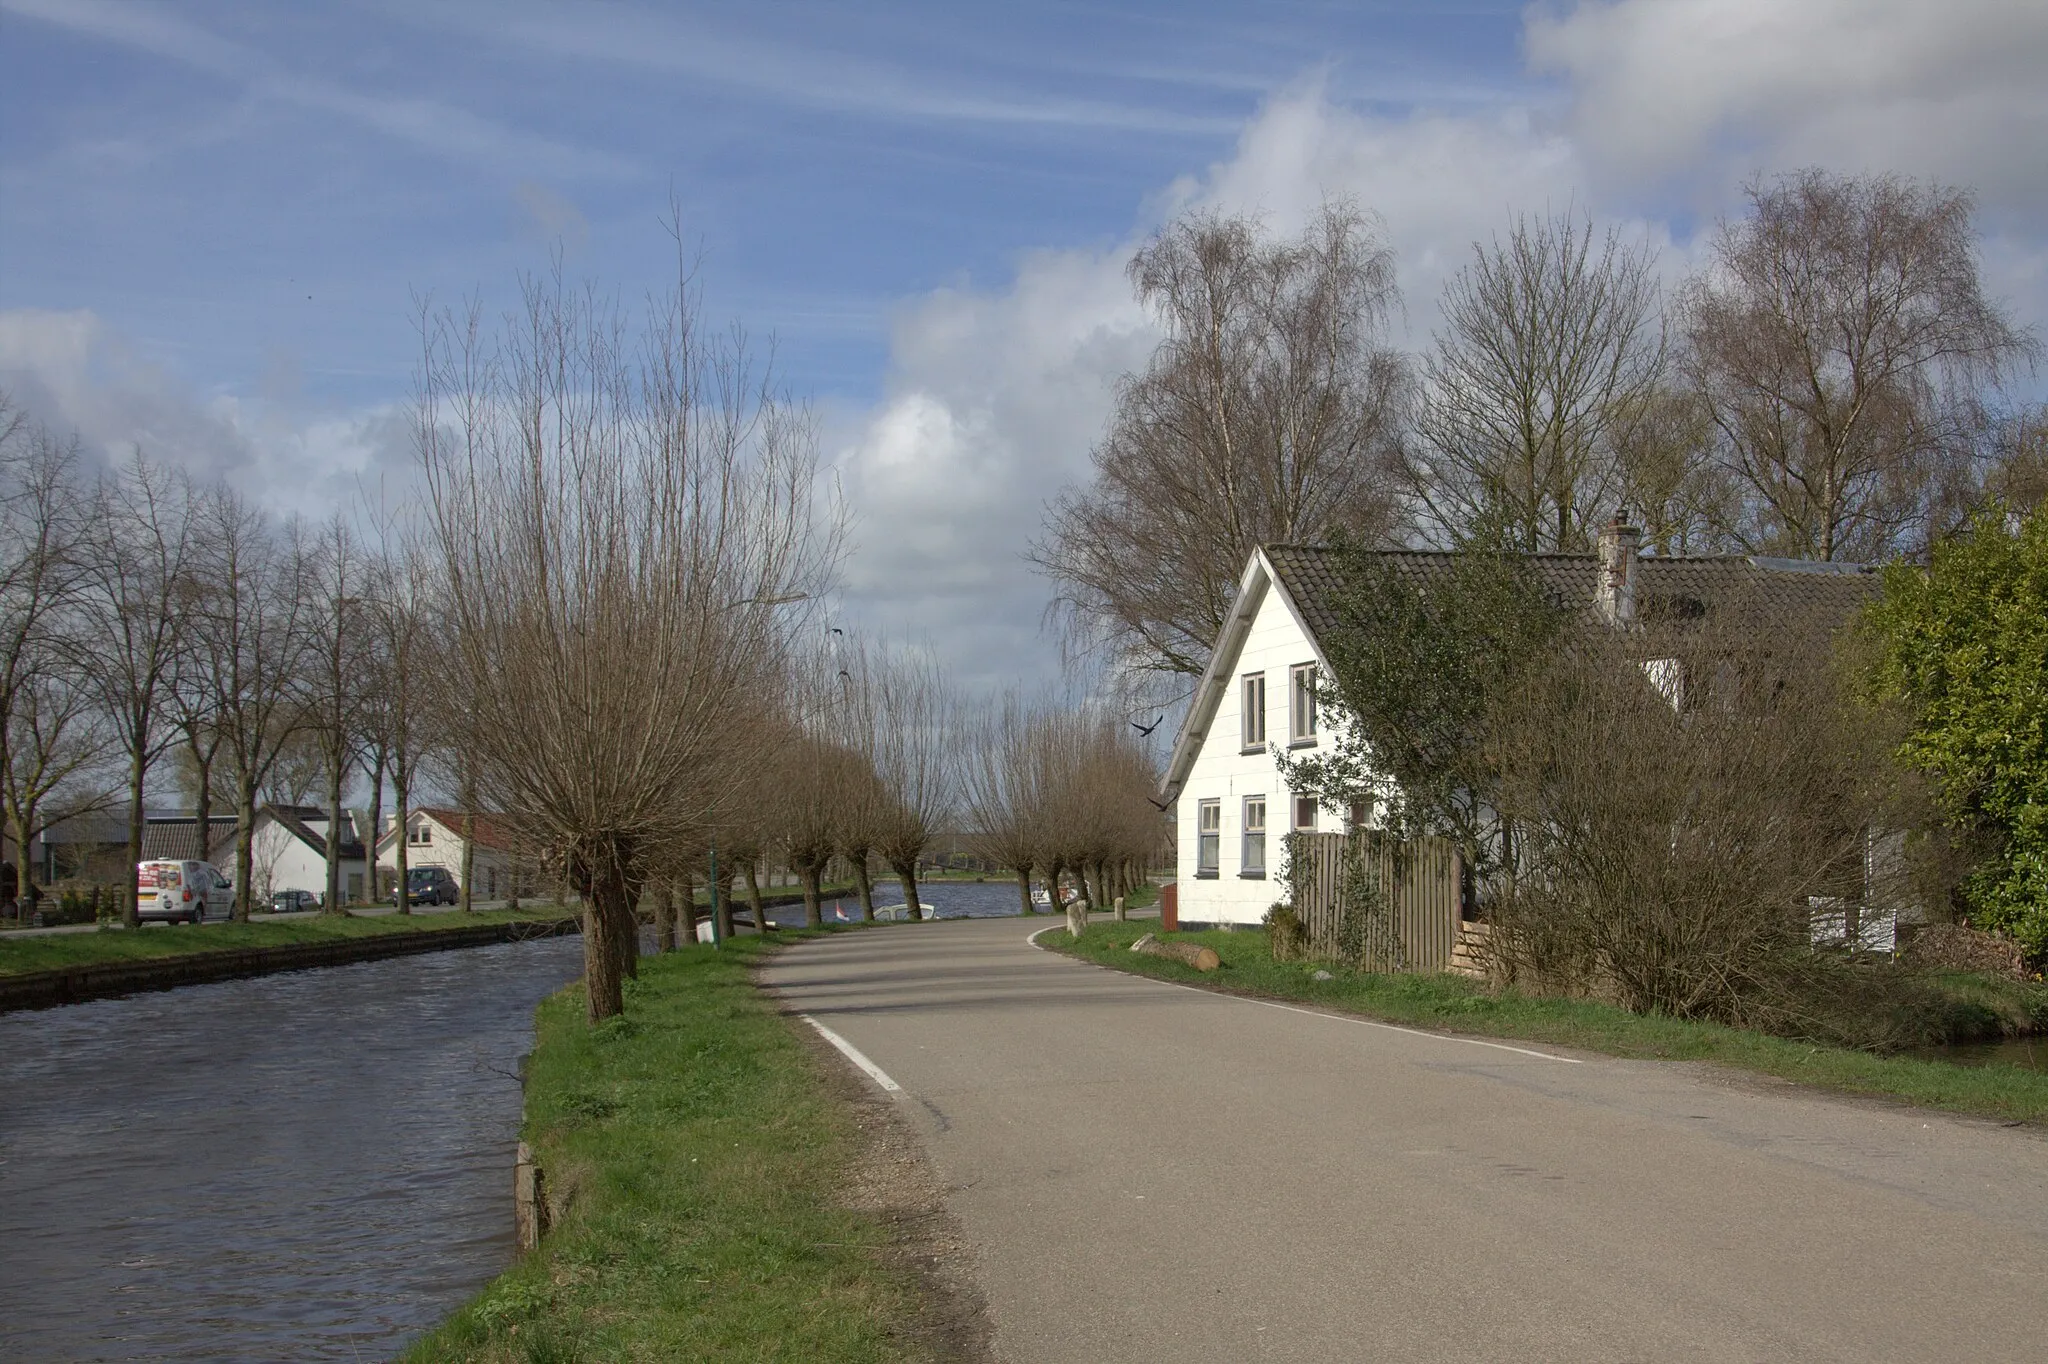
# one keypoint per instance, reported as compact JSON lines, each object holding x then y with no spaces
{"x":1455,"y":1004}
{"x":696,"y":1159}
{"x":19,"y":955}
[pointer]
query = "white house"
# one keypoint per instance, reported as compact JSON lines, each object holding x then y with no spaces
{"x":1255,"y":701}
{"x":1256,"y":698}
{"x":288,"y":848}
{"x":433,"y":838}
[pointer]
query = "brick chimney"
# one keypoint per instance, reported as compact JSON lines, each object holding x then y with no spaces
{"x":1615,"y":595}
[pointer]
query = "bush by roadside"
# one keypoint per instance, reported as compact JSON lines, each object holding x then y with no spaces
{"x":1456,"y":1004}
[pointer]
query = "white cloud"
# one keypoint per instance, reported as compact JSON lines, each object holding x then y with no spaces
{"x":72,"y":372}
{"x":1701,"y":92}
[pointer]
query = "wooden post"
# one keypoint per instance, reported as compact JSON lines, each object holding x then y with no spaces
{"x":529,"y":1206}
{"x":1118,"y":909}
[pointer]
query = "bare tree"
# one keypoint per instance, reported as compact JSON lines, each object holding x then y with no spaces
{"x":616,"y":528}
{"x":1843,"y":342}
{"x":915,"y":718}
{"x":252,"y":610}
{"x":56,"y":758}
{"x":399,"y":691}
{"x":137,"y":567}
{"x":338,"y":629}
{"x":1002,"y":790}
{"x":1548,"y":345}
{"x":1263,"y":416}
{"x":42,"y":517}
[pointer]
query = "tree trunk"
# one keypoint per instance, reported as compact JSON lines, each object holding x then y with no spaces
{"x":131,"y":907}
{"x":469,"y":858}
{"x":686,"y":901}
{"x":334,"y":878}
{"x":665,"y":917}
{"x":814,"y":913}
{"x":906,"y":872}
{"x":401,"y":846}
{"x":245,"y":844}
{"x":721,"y":910}
{"x":202,"y":802}
{"x":1052,"y":886}
{"x":866,"y":885}
{"x":754,"y":898}
{"x":1024,"y":889}
{"x":603,"y":983}
{"x":376,"y":828}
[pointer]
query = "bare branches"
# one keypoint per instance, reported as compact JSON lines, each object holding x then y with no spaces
{"x":1842,"y":341}
{"x":617,"y":527}
{"x":1548,"y":348}
{"x":1264,"y":415}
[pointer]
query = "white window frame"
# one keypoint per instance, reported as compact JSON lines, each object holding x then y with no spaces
{"x":1252,"y":845}
{"x":1301,"y":705}
{"x":1251,"y":694}
{"x":1208,"y":837}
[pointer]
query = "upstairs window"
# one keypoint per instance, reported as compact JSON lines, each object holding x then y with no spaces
{"x":1301,"y":704}
{"x":1208,"y":836}
{"x":1254,"y":710}
{"x":421,"y":835}
{"x":1254,"y":836}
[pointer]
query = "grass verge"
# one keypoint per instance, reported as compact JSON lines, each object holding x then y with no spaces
{"x":55,"y":951}
{"x":696,"y":1161}
{"x":1455,"y":1004}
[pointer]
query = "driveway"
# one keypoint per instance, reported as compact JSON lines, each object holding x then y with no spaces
{"x":1157,"y":1173}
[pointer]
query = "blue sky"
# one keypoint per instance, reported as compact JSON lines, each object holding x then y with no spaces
{"x":214,"y":216}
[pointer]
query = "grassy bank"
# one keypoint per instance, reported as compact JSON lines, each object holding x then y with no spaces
{"x":154,"y":942}
{"x":697,"y":1158}
{"x":1454,"y":1004}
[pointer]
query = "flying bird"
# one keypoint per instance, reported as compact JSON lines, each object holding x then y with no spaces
{"x":834,"y":630}
{"x":1159,"y":805}
{"x":1146,"y":730}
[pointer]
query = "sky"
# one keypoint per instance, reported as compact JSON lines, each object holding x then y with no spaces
{"x":218,"y":219}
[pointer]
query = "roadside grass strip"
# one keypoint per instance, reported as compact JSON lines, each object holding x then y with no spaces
{"x":57,"y":951}
{"x":1457,"y":1005}
{"x":694,"y":1160}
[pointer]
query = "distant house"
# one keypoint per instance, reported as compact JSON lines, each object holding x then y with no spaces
{"x":288,"y":851}
{"x":94,"y":846}
{"x":1257,"y":697}
{"x":501,"y":865}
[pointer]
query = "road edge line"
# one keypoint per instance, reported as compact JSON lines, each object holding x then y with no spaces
{"x":853,"y":1054}
{"x":1314,"y":1013}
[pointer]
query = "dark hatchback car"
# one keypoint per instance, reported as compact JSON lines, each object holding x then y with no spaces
{"x":429,"y":886}
{"x":293,"y":902}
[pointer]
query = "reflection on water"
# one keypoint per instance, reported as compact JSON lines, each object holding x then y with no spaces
{"x":943,"y":899}
{"x":2030,"y":1053}
{"x":311,"y":1166}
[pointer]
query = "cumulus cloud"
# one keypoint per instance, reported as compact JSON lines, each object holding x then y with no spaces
{"x":75,"y":374}
{"x":1700,"y":91}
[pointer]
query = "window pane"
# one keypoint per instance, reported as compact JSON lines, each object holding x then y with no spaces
{"x":1254,"y":835}
{"x":1304,"y":812}
{"x":1301,"y":709}
{"x":1254,"y":709}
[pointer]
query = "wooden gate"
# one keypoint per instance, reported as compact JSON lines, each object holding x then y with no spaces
{"x":1386,"y":904}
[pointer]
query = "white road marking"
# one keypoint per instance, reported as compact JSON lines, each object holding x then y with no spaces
{"x":852,"y":1053}
{"x":1336,"y":1018}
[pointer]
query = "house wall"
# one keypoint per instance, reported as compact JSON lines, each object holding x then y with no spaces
{"x":494,"y":869}
{"x":282,"y":861}
{"x":1222,"y":771}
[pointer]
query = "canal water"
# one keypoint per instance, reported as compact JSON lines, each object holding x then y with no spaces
{"x":310,"y":1166}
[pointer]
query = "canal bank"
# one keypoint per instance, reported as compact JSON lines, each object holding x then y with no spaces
{"x":170,"y":957}
{"x":718,"y":1187}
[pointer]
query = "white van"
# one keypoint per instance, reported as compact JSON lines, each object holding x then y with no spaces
{"x":191,"y":891}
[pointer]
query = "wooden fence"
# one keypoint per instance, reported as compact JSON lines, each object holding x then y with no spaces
{"x":1386,"y":904}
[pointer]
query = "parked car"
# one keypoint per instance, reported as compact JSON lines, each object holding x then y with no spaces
{"x":293,"y":902}
{"x":189,"y":891}
{"x":429,"y":886}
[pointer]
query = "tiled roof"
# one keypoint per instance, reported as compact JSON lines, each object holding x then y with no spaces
{"x":490,"y":831}
{"x":1668,"y":589}
{"x":176,"y":839}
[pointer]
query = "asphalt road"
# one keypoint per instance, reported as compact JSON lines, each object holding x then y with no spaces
{"x":1151,"y":1172}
